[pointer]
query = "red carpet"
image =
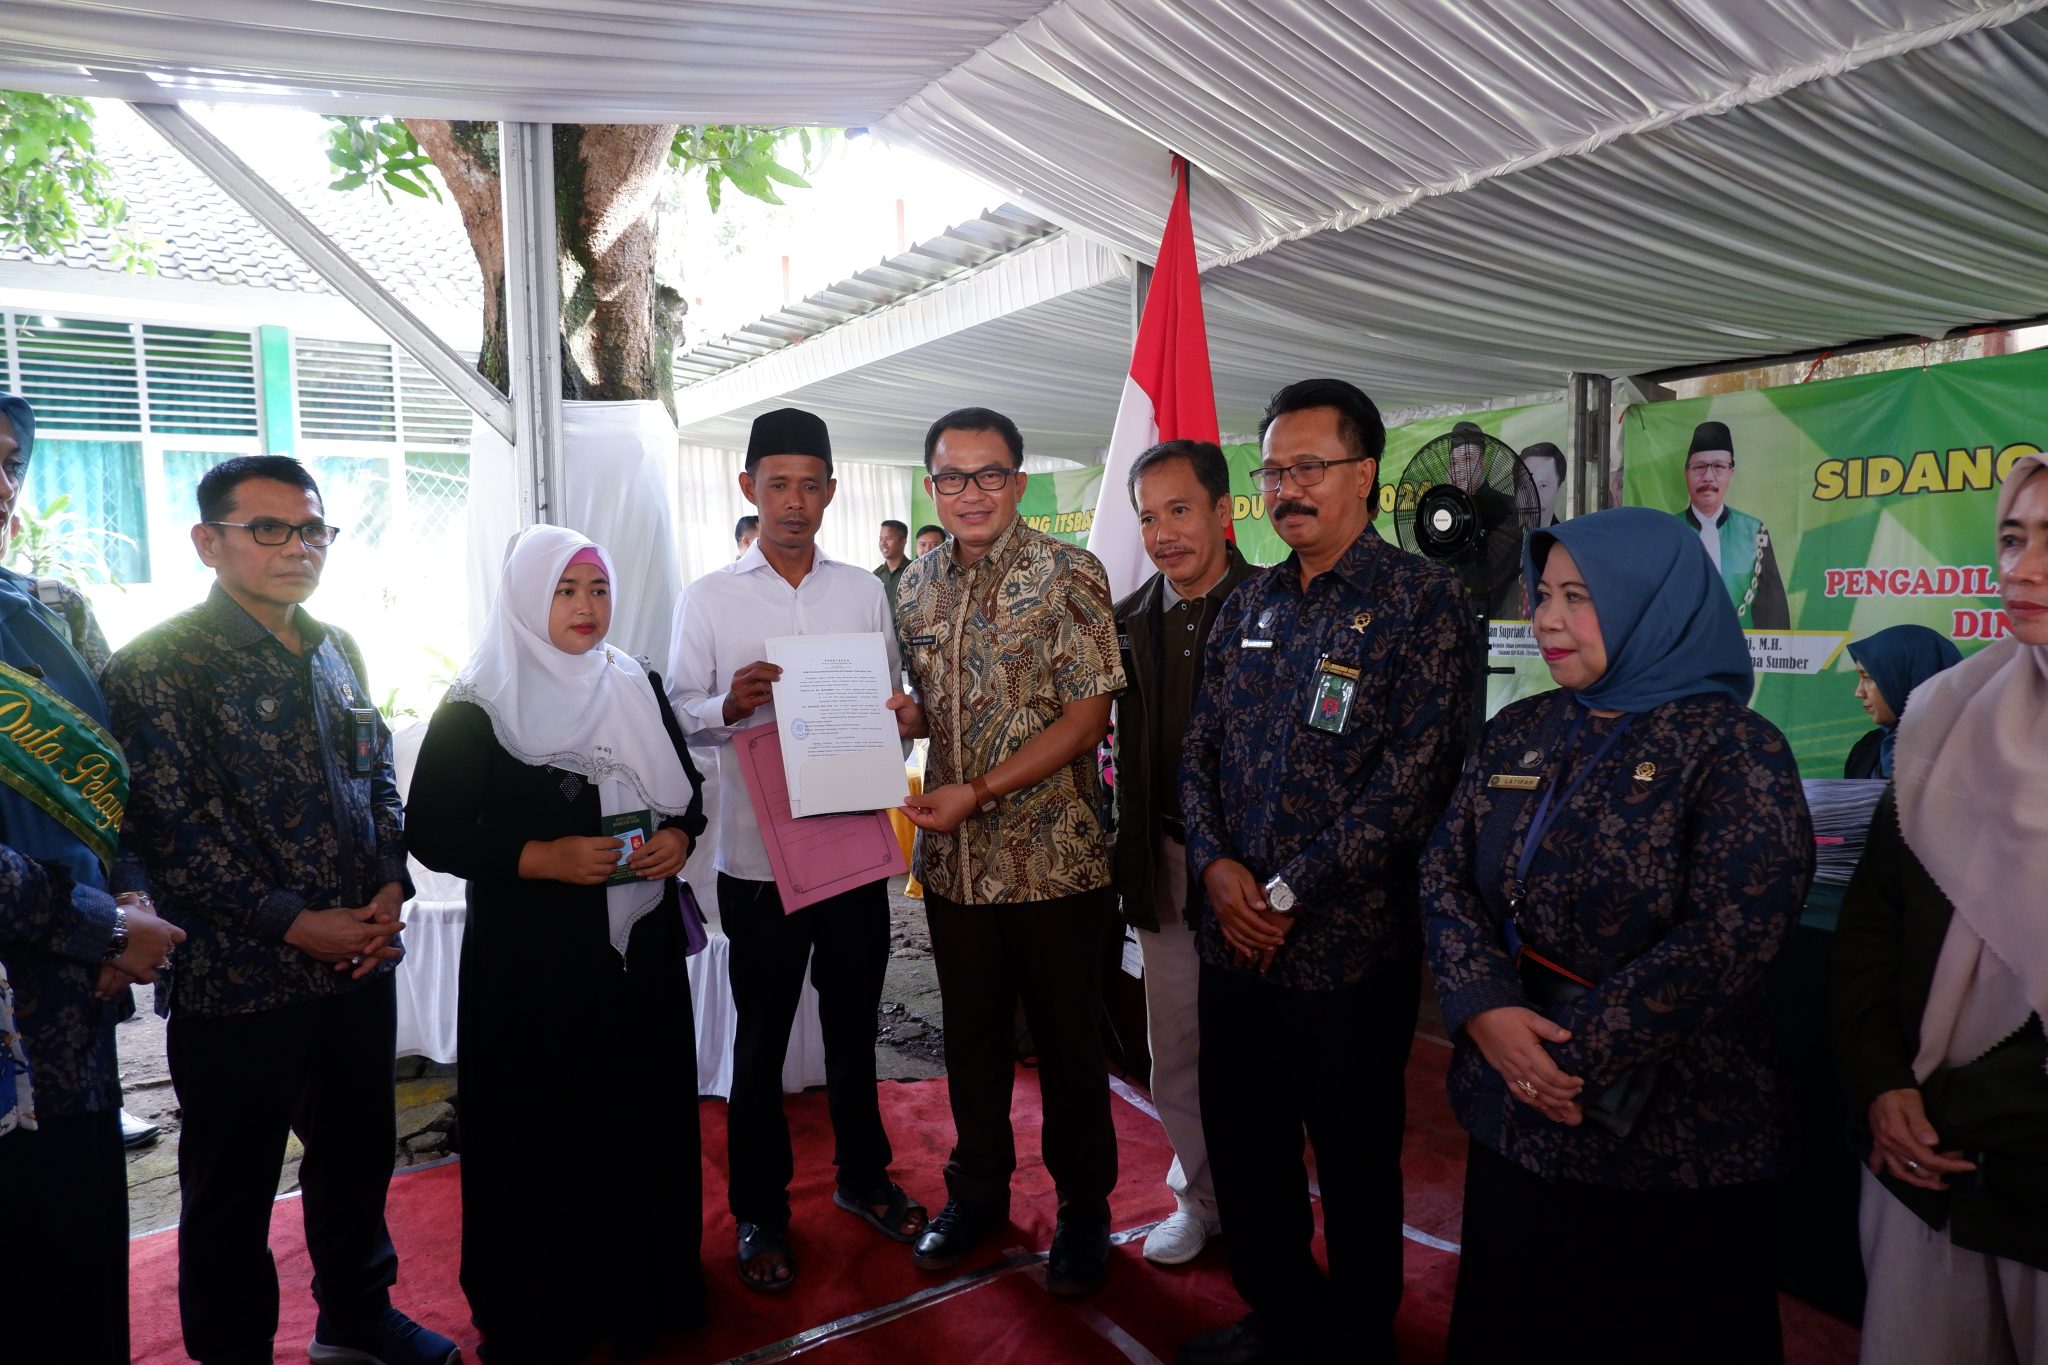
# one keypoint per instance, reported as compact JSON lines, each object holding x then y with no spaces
{"x":991,"y":1311}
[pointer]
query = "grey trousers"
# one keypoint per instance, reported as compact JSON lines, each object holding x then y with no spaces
{"x":1172,"y":972}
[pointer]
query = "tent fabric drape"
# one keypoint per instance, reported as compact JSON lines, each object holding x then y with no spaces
{"x":1302,"y":116}
{"x":1447,"y":203}
{"x":1906,"y":197}
{"x":594,"y":61}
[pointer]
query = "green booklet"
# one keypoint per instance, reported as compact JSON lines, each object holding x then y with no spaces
{"x":635,"y":827}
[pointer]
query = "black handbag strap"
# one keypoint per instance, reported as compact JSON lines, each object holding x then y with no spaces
{"x":1497,"y":830}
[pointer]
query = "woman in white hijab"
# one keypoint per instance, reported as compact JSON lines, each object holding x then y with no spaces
{"x":553,"y":778}
{"x":1941,"y":984}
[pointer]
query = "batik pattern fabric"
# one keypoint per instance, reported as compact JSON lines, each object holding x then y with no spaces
{"x":996,"y":651}
{"x":1669,"y":880}
{"x":1340,"y":814}
{"x":75,"y":610}
{"x":17,"y":1100}
{"x":54,"y":933}
{"x":244,"y":808}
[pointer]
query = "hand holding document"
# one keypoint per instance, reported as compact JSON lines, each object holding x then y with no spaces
{"x":819,"y":857}
{"x":840,"y":748}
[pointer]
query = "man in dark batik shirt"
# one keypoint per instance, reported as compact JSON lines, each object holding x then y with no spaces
{"x":1322,"y":749}
{"x":265,"y":814}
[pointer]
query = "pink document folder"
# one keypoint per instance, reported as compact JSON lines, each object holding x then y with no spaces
{"x":820,"y":855}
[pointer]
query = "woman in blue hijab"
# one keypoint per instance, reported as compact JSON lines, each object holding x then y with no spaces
{"x":1622,"y":857}
{"x":1889,"y":665}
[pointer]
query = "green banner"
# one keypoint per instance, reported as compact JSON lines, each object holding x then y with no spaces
{"x":1871,"y":496}
{"x":1060,"y":504}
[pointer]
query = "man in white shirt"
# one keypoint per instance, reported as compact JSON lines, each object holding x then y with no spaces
{"x":720,"y":685}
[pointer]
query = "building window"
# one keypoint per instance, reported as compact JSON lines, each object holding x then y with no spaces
{"x":89,"y":495}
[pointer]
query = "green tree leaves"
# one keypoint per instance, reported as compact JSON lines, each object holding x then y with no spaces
{"x":53,"y":184}
{"x":380,"y":152}
{"x":749,"y":159}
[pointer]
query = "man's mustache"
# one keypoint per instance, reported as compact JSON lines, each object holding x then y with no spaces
{"x":1288,"y":509}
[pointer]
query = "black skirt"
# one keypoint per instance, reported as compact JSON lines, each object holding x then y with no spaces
{"x":1590,"y":1275}
{"x":582,"y":1192}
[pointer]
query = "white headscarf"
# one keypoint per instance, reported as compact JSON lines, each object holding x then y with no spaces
{"x":593,"y":713}
{"x":1973,"y":806}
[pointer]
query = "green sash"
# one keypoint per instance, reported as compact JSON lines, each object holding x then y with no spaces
{"x":60,"y":758}
{"x":1740,"y":556}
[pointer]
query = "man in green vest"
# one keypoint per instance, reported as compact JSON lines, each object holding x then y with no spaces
{"x":1737,"y":542}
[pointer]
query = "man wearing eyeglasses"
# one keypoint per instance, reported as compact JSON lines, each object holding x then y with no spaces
{"x":1321,"y":750}
{"x":1737,"y":542}
{"x":1010,"y":641}
{"x":264,"y":814}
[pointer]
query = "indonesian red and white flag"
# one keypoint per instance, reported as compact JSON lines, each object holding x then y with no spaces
{"x":1168,"y":395}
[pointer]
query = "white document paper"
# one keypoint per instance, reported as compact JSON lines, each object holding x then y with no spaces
{"x":840,"y":750}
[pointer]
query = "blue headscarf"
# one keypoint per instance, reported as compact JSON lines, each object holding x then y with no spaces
{"x":1898,"y":659}
{"x":1665,"y":617}
{"x":33,"y":639}
{"x":22,"y":418}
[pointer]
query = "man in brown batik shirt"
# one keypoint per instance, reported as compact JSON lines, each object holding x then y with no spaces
{"x":1010,"y":642}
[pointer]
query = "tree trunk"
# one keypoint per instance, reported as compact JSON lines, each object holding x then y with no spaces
{"x":619,"y":326}
{"x":466,"y":155}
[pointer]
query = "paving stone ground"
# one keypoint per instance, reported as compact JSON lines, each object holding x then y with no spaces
{"x":908,"y":1037}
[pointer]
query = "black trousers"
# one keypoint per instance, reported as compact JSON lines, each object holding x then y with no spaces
{"x":1047,"y":954}
{"x":846,"y":941}
{"x":1276,"y":1062}
{"x":66,"y":1222}
{"x":321,"y":1069}
{"x":1569,"y":1274}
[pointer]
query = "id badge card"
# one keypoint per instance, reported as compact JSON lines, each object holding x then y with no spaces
{"x":1330,"y":699}
{"x":632,"y":829}
{"x":362,"y":740}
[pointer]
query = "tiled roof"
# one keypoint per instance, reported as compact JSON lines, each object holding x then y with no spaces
{"x":415,"y":248}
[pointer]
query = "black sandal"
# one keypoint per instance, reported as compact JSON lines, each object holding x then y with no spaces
{"x":889,"y":1224}
{"x":766,"y":1239}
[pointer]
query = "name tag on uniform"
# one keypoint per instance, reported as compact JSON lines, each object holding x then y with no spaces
{"x":1514,"y":782}
{"x":1336,"y":687}
{"x":917,"y":640}
{"x":362,"y":734}
{"x":1248,"y":643}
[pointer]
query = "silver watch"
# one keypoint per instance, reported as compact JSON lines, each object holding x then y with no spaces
{"x":1280,"y":898}
{"x":119,"y":943}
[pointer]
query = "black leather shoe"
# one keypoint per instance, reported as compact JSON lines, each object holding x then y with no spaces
{"x":1241,"y":1343}
{"x":1080,"y":1257}
{"x":954,"y":1232}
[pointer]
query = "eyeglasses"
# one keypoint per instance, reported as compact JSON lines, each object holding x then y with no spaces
{"x":1307,"y":473}
{"x":314,"y":535}
{"x":992,"y":480}
{"x":1720,"y":467}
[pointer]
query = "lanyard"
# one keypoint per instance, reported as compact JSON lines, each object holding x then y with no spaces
{"x":1547,"y":813}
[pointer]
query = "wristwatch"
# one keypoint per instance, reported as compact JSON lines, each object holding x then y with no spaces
{"x":985,"y":800}
{"x":119,"y":943}
{"x":1280,"y":898}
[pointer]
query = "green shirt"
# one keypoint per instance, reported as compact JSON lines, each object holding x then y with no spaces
{"x":890,"y":577}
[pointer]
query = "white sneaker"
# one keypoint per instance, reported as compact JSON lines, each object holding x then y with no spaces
{"x":1178,"y":1239}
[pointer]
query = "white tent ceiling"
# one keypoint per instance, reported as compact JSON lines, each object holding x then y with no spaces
{"x":1450,"y":203}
